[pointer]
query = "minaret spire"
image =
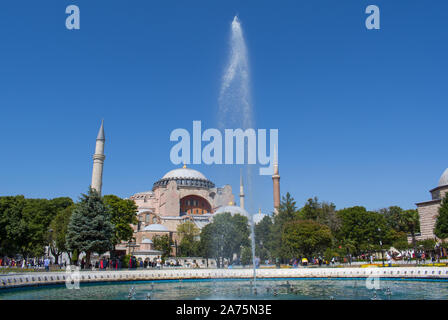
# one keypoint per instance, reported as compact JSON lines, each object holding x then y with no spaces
{"x":98,"y":160}
{"x":241,"y":190}
{"x":276,"y":181}
{"x":101,"y":132}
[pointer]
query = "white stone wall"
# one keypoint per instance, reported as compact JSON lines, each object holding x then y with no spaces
{"x":428,"y":213}
{"x":43,"y":278}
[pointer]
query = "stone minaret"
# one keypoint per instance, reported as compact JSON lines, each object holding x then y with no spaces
{"x":241,"y":191}
{"x":98,"y":160}
{"x":276,"y":182}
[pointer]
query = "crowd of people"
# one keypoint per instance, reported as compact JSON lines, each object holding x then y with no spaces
{"x":107,"y":263}
{"x":31,"y":263}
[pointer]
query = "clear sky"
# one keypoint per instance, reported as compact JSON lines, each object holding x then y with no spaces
{"x":362,"y":115}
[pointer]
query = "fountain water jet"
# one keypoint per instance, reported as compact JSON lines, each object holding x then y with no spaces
{"x":235,"y":107}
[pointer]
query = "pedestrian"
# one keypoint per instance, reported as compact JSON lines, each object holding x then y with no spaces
{"x":47,"y":264}
{"x":389,"y":259}
{"x":159,"y":263}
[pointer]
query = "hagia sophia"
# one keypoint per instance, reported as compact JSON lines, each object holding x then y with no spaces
{"x":182,"y":194}
{"x":185,"y":194}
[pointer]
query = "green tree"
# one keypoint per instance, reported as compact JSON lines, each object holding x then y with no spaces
{"x":188,"y":234}
{"x":263,"y":235}
{"x":400,"y":241}
{"x":90,"y":229}
{"x":287,"y":211}
{"x":305,"y":238}
{"x":241,"y":237}
{"x":24,"y":223}
{"x":13,"y":228}
{"x":246,"y":256}
{"x":37,"y":215}
{"x":409,"y":222}
{"x":206,"y":247}
{"x":321,"y":212}
{"x":224,"y":237}
{"x":163,"y":243}
{"x":123,"y":213}
{"x":427,"y":244}
{"x":441,"y":226}
{"x":393,"y":217}
{"x":361,"y":228}
{"x":58,"y":232}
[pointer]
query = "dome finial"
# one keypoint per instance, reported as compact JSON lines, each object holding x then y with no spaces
{"x":185,"y":166}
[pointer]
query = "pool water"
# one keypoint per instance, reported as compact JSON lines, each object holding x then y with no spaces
{"x":271,"y":289}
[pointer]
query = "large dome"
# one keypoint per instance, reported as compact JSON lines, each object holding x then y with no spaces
{"x":444,"y":179}
{"x":185,"y":177}
{"x":184,"y":173}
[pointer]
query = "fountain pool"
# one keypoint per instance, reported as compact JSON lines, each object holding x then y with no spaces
{"x":241,"y":289}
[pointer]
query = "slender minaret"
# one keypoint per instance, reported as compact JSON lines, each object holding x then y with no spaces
{"x":98,"y":160}
{"x":276,"y":182}
{"x":241,"y":190}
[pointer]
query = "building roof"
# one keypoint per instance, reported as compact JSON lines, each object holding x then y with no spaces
{"x":155,"y":228}
{"x":184,"y":173}
{"x":444,"y":179}
{"x":144,"y":193}
{"x":185,"y":177}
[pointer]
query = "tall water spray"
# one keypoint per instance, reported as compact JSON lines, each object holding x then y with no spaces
{"x":235,"y":106}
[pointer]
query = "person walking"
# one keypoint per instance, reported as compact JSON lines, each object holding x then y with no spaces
{"x":159,"y":263}
{"x":47,"y":264}
{"x":389,"y":259}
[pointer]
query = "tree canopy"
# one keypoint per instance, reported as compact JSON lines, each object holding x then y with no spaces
{"x":224,"y":237}
{"x":321,"y":212}
{"x":363,"y":228}
{"x":90,"y":228}
{"x":306,"y":238}
{"x":24,"y":223}
{"x":163,"y":243}
{"x":286,"y":212}
{"x":123,"y":213}
{"x":441,"y":226}
{"x":189,"y":242}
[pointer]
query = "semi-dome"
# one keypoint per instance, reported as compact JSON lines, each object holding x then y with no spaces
{"x":155,"y":228}
{"x":232,"y":210}
{"x":185,"y":177}
{"x":444,"y":179}
{"x":146,"y":240}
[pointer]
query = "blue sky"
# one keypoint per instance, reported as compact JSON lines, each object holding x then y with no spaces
{"x":361,"y":114}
